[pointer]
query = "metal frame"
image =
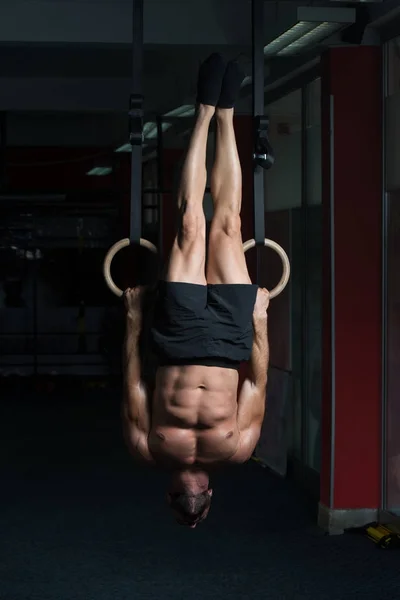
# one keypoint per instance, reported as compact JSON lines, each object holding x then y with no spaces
{"x":160,"y":184}
{"x":385,"y":224}
{"x":3,"y":146}
{"x":304,"y":314}
{"x":332,"y":261}
{"x":32,"y":362}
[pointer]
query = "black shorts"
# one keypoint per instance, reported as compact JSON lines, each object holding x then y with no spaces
{"x":203,"y":324}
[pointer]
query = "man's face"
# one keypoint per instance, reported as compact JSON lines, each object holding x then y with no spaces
{"x":183,"y":519}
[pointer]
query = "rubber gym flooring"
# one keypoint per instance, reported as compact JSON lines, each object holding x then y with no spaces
{"x":79,"y":521}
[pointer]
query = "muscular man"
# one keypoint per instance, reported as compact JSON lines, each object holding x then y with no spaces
{"x":208,"y":318}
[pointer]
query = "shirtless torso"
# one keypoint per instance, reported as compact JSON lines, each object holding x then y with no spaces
{"x":194,"y":415}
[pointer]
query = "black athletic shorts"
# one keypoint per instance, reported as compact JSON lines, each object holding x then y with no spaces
{"x":203,"y":324}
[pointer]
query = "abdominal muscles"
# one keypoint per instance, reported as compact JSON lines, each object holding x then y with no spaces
{"x":194,"y":420}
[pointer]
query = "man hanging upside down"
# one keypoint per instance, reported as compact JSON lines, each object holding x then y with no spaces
{"x":207,"y":320}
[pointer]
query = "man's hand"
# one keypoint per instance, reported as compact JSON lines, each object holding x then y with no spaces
{"x":262,"y":303}
{"x":133,"y":303}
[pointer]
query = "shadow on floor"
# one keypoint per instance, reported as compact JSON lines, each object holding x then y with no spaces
{"x":79,"y":521}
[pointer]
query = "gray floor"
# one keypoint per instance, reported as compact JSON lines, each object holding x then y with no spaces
{"x":79,"y":521}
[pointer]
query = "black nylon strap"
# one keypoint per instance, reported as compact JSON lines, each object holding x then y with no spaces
{"x":258,"y":110}
{"x":136,"y":123}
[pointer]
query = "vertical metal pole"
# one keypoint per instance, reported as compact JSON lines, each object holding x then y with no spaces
{"x":333,"y":292}
{"x":136,"y":125}
{"x":258,"y":110}
{"x":3,"y":147}
{"x":304,"y":279}
{"x":385,"y":231}
{"x":35,"y":304}
{"x":160,"y":149}
{"x":160,"y":183}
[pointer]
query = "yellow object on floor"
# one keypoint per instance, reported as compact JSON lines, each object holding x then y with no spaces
{"x":383,"y":536}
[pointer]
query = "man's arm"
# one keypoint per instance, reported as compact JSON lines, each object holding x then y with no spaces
{"x":259,"y":360}
{"x":252,"y":398}
{"x":136,"y":401}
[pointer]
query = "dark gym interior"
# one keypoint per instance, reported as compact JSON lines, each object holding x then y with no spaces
{"x":79,"y":518}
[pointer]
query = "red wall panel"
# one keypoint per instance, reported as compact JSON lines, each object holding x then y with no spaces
{"x":352,"y":77}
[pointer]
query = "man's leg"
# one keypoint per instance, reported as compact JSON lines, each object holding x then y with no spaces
{"x":187,"y":258}
{"x":226,"y":260}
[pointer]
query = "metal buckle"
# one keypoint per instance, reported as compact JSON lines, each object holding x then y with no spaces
{"x":136,"y":120}
{"x":263,"y":152}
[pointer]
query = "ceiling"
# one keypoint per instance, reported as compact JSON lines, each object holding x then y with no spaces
{"x":66,"y":64}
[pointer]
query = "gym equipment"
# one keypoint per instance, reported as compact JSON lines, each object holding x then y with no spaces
{"x":263,"y":154}
{"x":136,"y":141}
{"x":385,"y":536}
{"x":285,"y":262}
{"x":124,"y":243}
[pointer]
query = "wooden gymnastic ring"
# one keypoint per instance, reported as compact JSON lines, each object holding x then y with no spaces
{"x":285,"y":262}
{"x":124,"y":243}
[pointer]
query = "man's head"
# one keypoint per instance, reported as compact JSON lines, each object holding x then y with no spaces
{"x":188,"y":508}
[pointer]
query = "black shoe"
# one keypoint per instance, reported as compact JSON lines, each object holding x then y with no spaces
{"x":231,"y":85}
{"x":209,"y":83}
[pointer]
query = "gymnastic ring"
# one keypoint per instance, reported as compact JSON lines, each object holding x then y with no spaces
{"x":124,"y":243}
{"x":285,"y":262}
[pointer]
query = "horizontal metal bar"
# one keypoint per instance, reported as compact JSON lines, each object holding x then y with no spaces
{"x":60,"y":238}
{"x":56,"y":364}
{"x":44,"y":333}
{"x":45,"y":362}
{"x":289,"y":372}
{"x":42,"y":354}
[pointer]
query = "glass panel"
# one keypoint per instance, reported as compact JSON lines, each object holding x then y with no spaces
{"x":313,"y":276}
{"x":297,"y":279}
{"x":283,"y":197}
{"x":283,"y":192}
